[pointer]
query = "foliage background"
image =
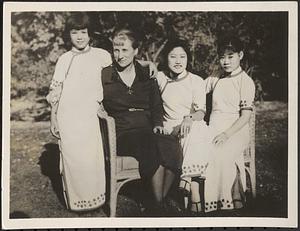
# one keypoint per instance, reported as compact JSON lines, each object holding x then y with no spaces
{"x":37,"y":41}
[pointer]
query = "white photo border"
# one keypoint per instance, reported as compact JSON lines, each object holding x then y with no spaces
{"x":39,"y":223}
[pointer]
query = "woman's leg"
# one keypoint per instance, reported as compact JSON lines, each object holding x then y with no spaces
{"x":162,"y":181}
{"x":195,"y":197}
{"x":169,"y":177}
{"x":158,"y":183}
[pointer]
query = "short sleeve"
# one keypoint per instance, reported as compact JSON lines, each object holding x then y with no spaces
{"x":210,"y":83}
{"x":161,"y":80}
{"x":199,"y":93}
{"x":106,"y":59}
{"x":247,"y":93}
{"x":57,"y":82}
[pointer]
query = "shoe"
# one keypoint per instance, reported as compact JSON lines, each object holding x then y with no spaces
{"x":195,"y":208}
{"x":184,"y":191}
{"x":171,"y":208}
{"x":185,"y":186}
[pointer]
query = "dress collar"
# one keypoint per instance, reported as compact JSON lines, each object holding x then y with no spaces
{"x":85,"y":50}
{"x":236,"y":72}
{"x":180,"y":77}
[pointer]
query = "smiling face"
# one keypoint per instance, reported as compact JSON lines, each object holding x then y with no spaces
{"x":123,"y":51}
{"x":79,"y":38}
{"x":177,"y":60}
{"x":230,"y":60}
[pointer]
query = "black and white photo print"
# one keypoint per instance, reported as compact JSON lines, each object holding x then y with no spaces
{"x":149,"y":114}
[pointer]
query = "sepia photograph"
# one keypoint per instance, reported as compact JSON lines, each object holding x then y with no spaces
{"x":149,"y":114}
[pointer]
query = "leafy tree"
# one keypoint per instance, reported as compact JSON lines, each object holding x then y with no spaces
{"x":37,"y":42}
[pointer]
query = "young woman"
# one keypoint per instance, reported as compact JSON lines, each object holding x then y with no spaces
{"x":75,"y":93}
{"x":232,"y":99}
{"x":133,"y":99}
{"x":183,"y":95}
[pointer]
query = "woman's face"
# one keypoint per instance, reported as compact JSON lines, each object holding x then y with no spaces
{"x":79,"y":38}
{"x":230,"y":60}
{"x":177,"y":60}
{"x":123,"y":51}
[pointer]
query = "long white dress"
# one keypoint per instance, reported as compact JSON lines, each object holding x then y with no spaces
{"x":180,"y":97}
{"x":78,"y":74}
{"x":230,"y":96}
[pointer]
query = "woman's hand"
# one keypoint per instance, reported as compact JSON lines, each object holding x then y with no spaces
{"x":153,"y":70}
{"x":152,"y":67}
{"x":220,"y":139}
{"x":160,"y":130}
{"x":186,"y":126}
{"x":176,"y":131}
{"x":54,"y":128}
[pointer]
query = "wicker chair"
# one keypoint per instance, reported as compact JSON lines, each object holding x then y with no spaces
{"x":121,"y":170}
{"x":249,"y":156}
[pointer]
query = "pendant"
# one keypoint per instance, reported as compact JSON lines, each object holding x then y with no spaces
{"x":130,"y":91}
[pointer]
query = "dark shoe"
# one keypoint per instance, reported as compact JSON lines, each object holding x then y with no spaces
{"x":184,"y":192}
{"x":171,"y":208}
{"x":156,"y":210}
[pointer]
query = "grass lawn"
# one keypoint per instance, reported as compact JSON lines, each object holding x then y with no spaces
{"x":34,"y":188}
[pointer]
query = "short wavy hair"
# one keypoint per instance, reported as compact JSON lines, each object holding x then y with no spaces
{"x":128,"y":33}
{"x":77,"y":21}
{"x":169,"y":46}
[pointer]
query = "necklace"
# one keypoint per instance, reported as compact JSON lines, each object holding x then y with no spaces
{"x":130,"y":91}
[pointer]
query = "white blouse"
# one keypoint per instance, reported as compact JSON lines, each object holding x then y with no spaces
{"x":233,"y":93}
{"x":85,"y":63}
{"x":182,"y":96}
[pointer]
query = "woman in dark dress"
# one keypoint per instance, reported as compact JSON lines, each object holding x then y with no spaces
{"x":132,"y":98}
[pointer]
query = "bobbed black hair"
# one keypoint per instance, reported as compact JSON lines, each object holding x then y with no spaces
{"x":169,"y":46}
{"x":76,"y":21}
{"x":229,"y":43}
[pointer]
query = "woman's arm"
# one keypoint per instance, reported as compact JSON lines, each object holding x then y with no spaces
{"x":156,"y":107}
{"x":188,"y":121}
{"x":53,"y":121}
{"x":54,"y":94}
{"x":247,"y":93}
{"x":198,"y":105}
{"x":236,"y":126}
{"x":152,"y":67}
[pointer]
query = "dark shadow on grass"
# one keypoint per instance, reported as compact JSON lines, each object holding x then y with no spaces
{"x":49,"y":162}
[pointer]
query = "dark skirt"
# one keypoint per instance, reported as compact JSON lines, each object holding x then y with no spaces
{"x":150,"y":150}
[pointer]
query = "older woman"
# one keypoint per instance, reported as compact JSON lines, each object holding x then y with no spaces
{"x":133,"y":99}
{"x":183,"y":95}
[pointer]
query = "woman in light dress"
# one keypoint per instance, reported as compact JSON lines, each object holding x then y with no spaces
{"x":183,"y":95}
{"x":75,"y":93}
{"x":232,"y":103}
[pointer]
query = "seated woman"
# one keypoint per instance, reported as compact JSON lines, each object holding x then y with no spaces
{"x":132,"y":98}
{"x":233,"y":96}
{"x":183,"y":95}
